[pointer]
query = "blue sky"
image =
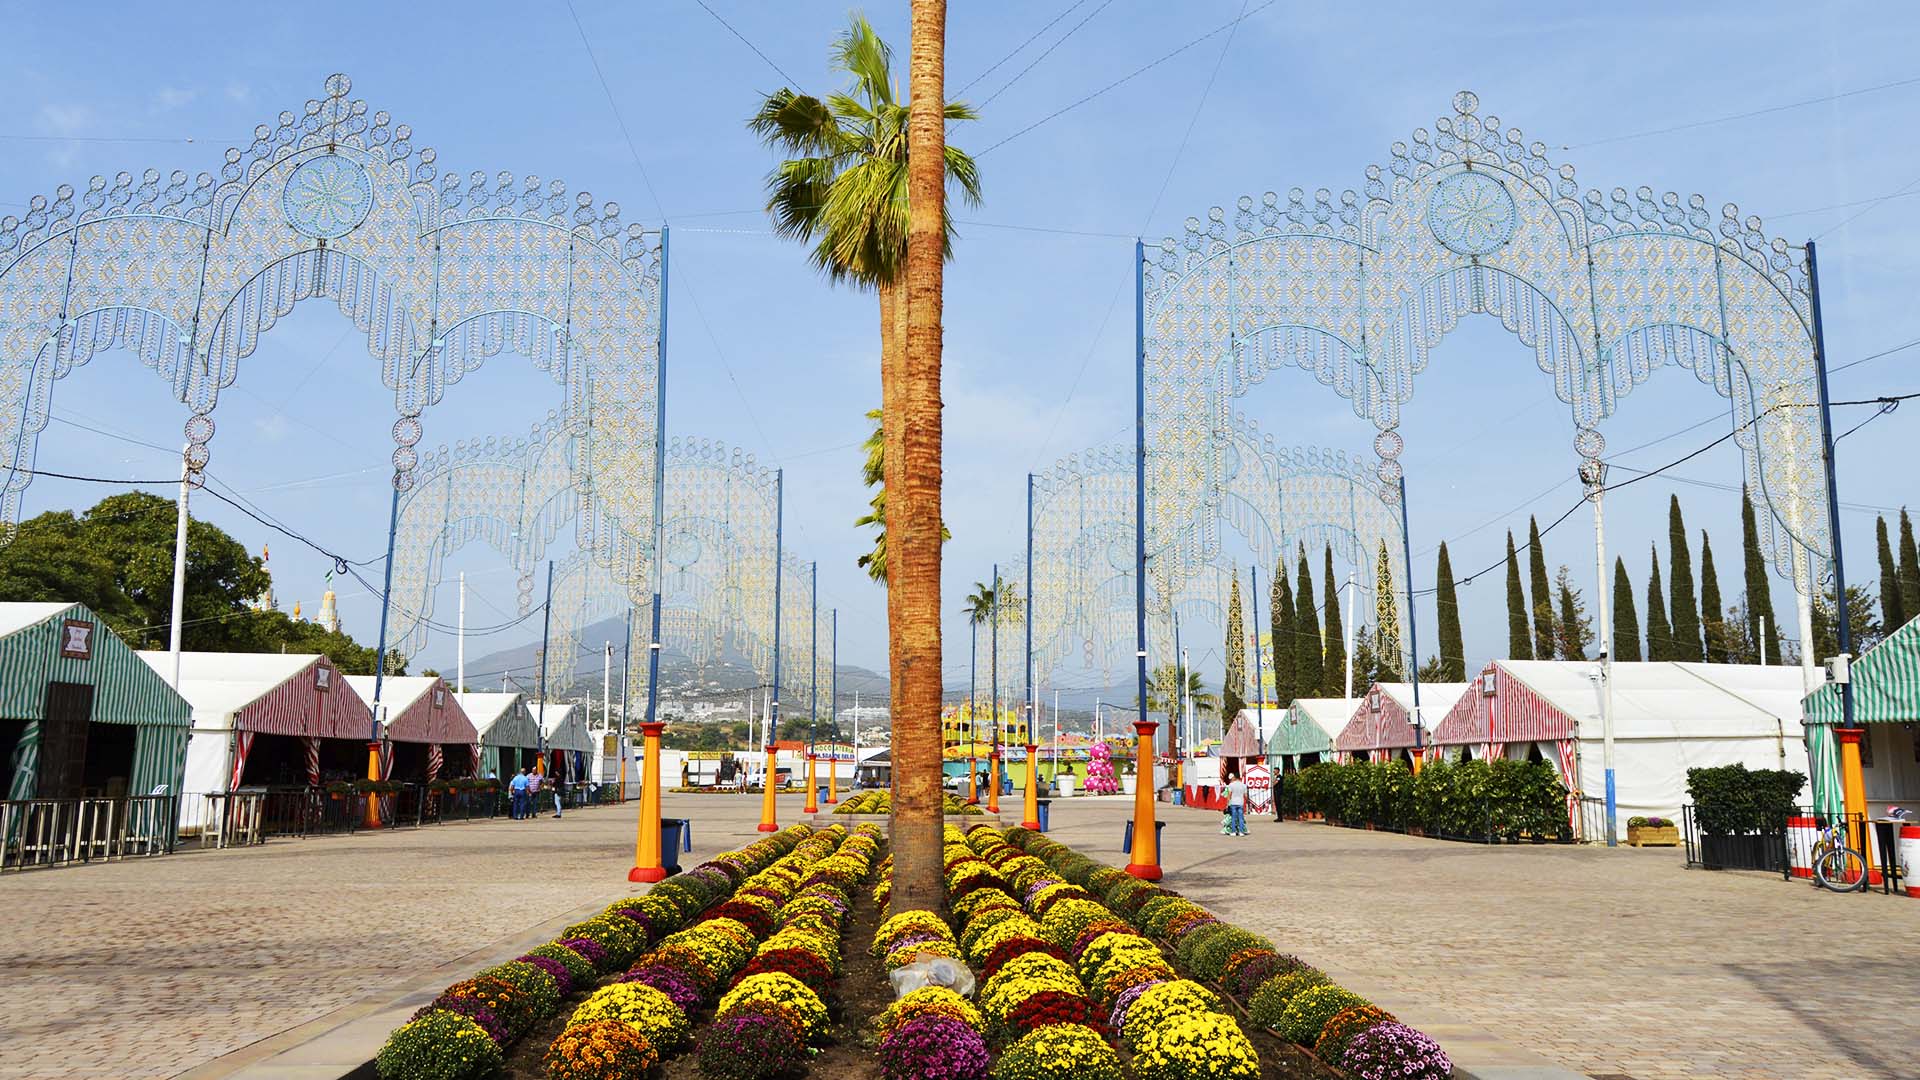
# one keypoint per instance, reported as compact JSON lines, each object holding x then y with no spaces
{"x":1038,"y":362}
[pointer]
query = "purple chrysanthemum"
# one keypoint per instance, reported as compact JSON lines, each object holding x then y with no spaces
{"x":472,"y":1009}
{"x":1395,"y":1052}
{"x":591,"y":951}
{"x":1125,"y":1001}
{"x":934,"y":1048}
{"x":562,"y":979}
{"x":669,"y":981}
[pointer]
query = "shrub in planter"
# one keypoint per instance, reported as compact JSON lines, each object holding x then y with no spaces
{"x":1017,"y":945}
{"x":539,"y":988}
{"x":472,"y":1010}
{"x":1310,"y":1010}
{"x":934,"y":1048}
{"x":1196,"y":1046}
{"x":749,"y":1044}
{"x":1114,"y":989}
{"x":1210,"y":955}
{"x":1065,"y":921}
{"x":929,"y":1001}
{"x":1395,"y":1052}
{"x":639,"y":1006}
{"x":1271,"y":999}
{"x":579,"y":968}
{"x":1242,"y":979}
{"x":502,"y":998}
{"x":622,"y":938}
{"x":802,"y":965}
{"x":438,"y":1046}
{"x":784,"y":993}
{"x":689,"y":962}
{"x":1344,"y":1025}
{"x":1059,"y":1052}
{"x":601,"y":1050}
{"x":1733,"y":799}
{"x":1161,"y":1004}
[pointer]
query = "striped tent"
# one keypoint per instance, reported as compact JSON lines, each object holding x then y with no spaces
{"x":420,"y":709}
{"x":568,"y":739}
{"x":1383,"y":719}
{"x":1308,"y":727}
{"x":503,"y":722}
{"x":46,"y":643}
{"x":1886,"y":691}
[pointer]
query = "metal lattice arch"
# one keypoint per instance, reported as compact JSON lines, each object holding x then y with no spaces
{"x":1357,"y":288}
{"x":440,"y":271}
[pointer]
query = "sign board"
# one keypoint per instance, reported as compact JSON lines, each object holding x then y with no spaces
{"x":1259,"y":780}
{"x":76,"y":639}
{"x":322,"y":677}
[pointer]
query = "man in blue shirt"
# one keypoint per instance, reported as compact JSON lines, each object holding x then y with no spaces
{"x":519,"y":796}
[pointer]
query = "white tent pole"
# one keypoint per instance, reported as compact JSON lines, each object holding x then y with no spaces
{"x":1349,"y":630}
{"x":179,"y":573}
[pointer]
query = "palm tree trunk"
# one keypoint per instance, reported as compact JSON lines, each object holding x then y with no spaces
{"x":912,"y":403}
{"x":893,"y":341}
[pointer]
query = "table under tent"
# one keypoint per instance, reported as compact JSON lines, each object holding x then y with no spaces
{"x":1381,"y":727}
{"x":263,"y":720}
{"x":568,"y":739}
{"x":79,"y":714}
{"x":509,"y":739}
{"x":1667,"y":718}
{"x":1886,"y":708}
{"x":1304,"y":735}
{"x":428,"y":735}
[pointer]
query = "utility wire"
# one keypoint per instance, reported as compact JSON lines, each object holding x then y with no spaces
{"x":791,"y":81}
{"x":1748,"y":115}
{"x":1048,"y":51}
{"x":1031,"y":38}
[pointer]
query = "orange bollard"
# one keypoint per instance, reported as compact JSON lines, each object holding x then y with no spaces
{"x":1145,"y":861}
{"x":833,"y":777}
{"x":993,"y":780}
{"x":646,"y":849}
{"x":372,"y":820}
{"x":813,"y":790}
{"x":973,"y":778}
{"x":769,"y":787}
{"x":1032,"y":808}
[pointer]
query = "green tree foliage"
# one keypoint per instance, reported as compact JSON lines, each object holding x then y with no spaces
{"x":1163,"y":692}
{"x":1626,"y":621}
{"x":1573,"y":626}
{"x":1280,"y":620}
{"x":1544,"y":637}
{"x":117,"y":558}
{"x":1446,"y":604}
{"x":1308,"y":656}
{"x":1659,"y":633}
{"x":1759,"y":590}
{"x":1519,"y":644}
{"x":1866,"y":629}
{"x":1893,"y":605}
{"x":1233,"y":691}
{"x":1717,"y":636}
{"x":1909,"y":569}
{"x":1333,"y":671}
{"x":1685,"y":610}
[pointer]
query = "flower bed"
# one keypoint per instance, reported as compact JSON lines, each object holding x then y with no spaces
{"x":467,"y":1031}
{"x":881,"y":802}
{"x":1179,"y":1028}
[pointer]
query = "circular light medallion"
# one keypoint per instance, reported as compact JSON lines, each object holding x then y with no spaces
{"x":327,"y":197}
{"x":683,"y":550}
{"x":1471,"y":213}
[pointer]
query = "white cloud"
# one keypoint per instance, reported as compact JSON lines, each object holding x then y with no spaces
{"x":272,"y":427}
{"x":168,"y":98}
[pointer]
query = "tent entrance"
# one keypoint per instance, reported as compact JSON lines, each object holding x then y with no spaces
{"x":276,"y":761}
{"x":109,"y":751}
{"x":63,"y":740}
{"x":343,"y":759}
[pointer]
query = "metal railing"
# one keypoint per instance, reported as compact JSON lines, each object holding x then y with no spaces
{"x":56,"y":832}
{"x":240,"y":818}
{"x":1785,"y":847}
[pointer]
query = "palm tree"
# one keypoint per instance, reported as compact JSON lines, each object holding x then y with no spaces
{"x":979,"y":608}
{"x":873,"y":475}
{"x":866,"y":185}
{"x":1163,"y":693}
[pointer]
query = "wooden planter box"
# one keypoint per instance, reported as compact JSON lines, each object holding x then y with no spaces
{"x":1647,"y":836}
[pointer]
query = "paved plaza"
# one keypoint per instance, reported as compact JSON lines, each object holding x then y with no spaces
{"x":1613,"y":963}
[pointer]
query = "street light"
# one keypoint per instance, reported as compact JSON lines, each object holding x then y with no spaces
{"x":1593,"y":473}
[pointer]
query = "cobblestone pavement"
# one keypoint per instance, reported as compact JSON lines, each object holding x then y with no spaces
{"x":151,"y":967}
{"x":1616,"y":963}
{"x":1619,"y":964}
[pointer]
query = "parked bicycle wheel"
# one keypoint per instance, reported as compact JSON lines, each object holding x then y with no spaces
{"x":1841,"y":869}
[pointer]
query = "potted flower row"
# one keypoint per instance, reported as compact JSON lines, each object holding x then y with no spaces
{"x":466,"y":1031}
{"x":1652,"y":832}
{"x":1278,"y":992}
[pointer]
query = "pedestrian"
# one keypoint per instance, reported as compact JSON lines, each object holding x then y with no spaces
{"x":517,"y":796}
{"x":559,"y":787}
{"x":534,"y":784}
{"x":1237,"y":803}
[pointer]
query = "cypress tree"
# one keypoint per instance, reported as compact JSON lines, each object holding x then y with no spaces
{"x":1659,"y":633}
{"x":1386,"y":645}
{"x":1713,"y":620}
{"x":1893,"y":605}
{"x":1680,"y":596}
{"x":1626,"y":622}
{"x":1453,"y":653}
{"x":1542,"y":592}
{"x":1333,"y":674}
{"x":1308,"y":657}
{"x":1759,"y":589}
{"x":1909,"y":570}
{"x":1233,"y":691}
{"x":1519,"y":645}
{"x":1280,"y":619}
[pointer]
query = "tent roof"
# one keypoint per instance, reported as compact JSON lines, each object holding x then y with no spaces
{"x":17,"y":616}
{"x":1310,"y":725}
{"x":32,"y":654}
{"x":1664,"y":700}
{"x":500,"y":719}
{"x":1243,"y":738}
{"x":270,"y":693}
{"x":564,"y":725}
{"x":398,"y":692}
{"x":411,"y":712}
{"x":1886,"y":684}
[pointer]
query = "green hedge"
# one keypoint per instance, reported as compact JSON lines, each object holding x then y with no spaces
{"x":1731,"y":799}
{"x":1503,"y":799}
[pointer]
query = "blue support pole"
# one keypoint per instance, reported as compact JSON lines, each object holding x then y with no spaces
{"x":813,"y":656}
{"x":993,"y":652}
{"x":779,"y":557}
{"x":1842,"y":621}
{"x":659,"y":485}
{"x":386,"y":604}
{"x":1259,"y":665}
{"x":1413,"y":631}
{"x":1140,"y":471}
{"x":1033,"y":703}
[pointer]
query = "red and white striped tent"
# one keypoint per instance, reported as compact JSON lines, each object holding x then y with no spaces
{"x":1382,"y":726}
{"x":1667,"y":718}
{"x":243,"y":703}
{"x":422,"y":712}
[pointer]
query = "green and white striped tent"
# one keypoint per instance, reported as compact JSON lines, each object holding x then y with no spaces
{"x":38,"y":646}
{"x":1308,"y":728}
{"x":1886,"y":690}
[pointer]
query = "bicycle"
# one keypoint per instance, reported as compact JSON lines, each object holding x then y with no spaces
{"x":1835,"y":865}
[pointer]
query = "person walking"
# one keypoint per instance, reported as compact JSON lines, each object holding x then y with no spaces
{"x":534,"y":784}
{"x":1237,"y":803}
{"x":559,"y":787}
{"x":517,"y":795}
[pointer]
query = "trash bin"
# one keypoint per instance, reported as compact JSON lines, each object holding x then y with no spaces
{"x":1126,"y":841}
{"x":820,"y":795}
{"x":1179,"y":799}
{"x":1043,"y":804}
{"x":676,"y":835}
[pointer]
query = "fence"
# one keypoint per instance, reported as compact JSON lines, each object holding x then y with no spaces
{"x":1785,"y":849}
{"x":239,"y":818}
{"x":56,"y":832}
